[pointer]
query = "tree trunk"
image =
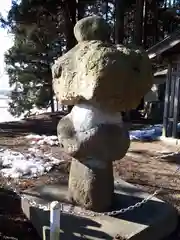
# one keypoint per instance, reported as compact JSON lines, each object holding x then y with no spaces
{"x":139,"y":33}
{"x":119,"y":21}
{"x":145,"y":27}
{"x":107,"y":9}
{"x":70,"y":108}
{"x":139,"y":22}
{"x":70,"y":7}
{"x":71,"y":15}
{"x":52,"y":99}
{"x":150,"y":23}
{"x":80,"y":9}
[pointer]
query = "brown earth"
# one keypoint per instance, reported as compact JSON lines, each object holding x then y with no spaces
{"x":147,"y":165}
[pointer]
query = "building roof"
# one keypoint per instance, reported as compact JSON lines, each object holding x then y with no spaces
{"x":161,"y":73}
{"x":170,"y":42}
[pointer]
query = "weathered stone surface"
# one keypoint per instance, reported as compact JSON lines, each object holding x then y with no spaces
{"x":86,"y":132}
{"x":101,"y":80}
{"x":92,"y":28}
{"x":111,"y":77}
{"x":67,"y":136}
{"x":95,"y":138}
{"x":85,"y":184}
{"x":107,"y":141}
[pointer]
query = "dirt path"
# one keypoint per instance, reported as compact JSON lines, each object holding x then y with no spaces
{"x":151,"y":166}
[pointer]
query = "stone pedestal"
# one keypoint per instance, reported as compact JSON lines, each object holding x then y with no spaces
{"x":155,"y":220}
{"x":95,"y":139}
{"x":91,"y":184}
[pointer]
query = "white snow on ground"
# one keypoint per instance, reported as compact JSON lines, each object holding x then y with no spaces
{"x":43,"y":139}
{"x":5,"y":115}
{"x":16,"y":165}
{"x":35,"y":111}
{"x":34,"y":163}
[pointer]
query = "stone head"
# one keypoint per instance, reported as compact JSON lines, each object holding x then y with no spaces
{"x":92,"y":28}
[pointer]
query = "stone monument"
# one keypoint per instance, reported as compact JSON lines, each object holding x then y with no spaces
{"x":100,"y":79}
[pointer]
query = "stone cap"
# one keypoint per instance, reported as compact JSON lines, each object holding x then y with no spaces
{"x":92,"y":28}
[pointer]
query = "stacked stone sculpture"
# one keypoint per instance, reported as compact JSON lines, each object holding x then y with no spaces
{"x":100,"y":79}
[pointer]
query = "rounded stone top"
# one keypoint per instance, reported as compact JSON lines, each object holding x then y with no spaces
{"x":92,"y":28}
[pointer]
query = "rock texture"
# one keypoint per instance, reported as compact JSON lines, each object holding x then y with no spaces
{"x":95,"y":139}
{"x":100,"y":72}
{"x":103,"y":74}
{"x":91,"y":28}
{"x":103,"y":140}
{"x":101,"y":80}
{"x":91,"y":184}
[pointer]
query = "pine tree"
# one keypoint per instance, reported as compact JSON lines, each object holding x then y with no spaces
{"x":38,"y":39}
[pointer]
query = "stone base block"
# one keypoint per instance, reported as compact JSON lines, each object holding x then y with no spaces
{"x":152,"y":221}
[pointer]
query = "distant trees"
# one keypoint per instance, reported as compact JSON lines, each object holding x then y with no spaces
{"x":28,"y":62}
{"x":43,"y":30}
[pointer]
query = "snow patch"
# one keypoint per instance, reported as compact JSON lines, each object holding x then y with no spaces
{"x":33,"y":163}
{"x":43,"y":140}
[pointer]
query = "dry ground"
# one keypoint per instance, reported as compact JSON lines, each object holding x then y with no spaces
{"x":147,"y":165}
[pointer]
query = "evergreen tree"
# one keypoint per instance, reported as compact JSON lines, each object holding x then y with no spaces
{"x":43,"y":30}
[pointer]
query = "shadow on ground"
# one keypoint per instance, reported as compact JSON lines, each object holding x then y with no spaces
{"x":13,"y":224}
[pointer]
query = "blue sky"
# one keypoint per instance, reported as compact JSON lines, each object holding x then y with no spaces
{"x":5,"y":43}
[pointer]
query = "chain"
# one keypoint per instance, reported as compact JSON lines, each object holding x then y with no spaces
{"x":71,"y":209}
{"x":74,"y":210}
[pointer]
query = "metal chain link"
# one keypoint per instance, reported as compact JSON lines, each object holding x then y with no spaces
{"x":71,"y":208}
